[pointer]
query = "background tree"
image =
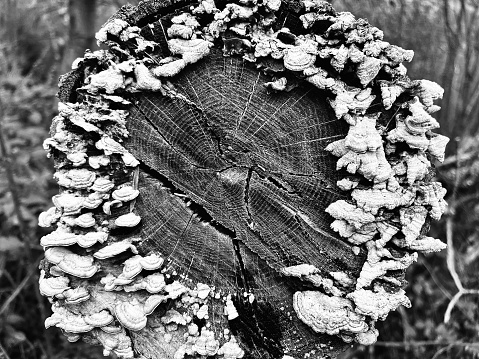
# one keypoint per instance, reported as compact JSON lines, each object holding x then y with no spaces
{"x":81,"y":33}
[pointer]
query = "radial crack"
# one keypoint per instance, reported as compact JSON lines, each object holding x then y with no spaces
{"x":202,"y":214}
{"x":246,"y":197}
{"x":195,"y":207}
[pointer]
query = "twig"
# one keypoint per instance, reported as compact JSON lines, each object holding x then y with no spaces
{"x":9,"y":277}
{"x":455,"y":299}
{"x":31,"y":273}
{"x":465,"y":199}
{"x":31,"y":347}
{"x":4,"y":353}
{"x":451,"y":253}
{"x":440,"y":351}
{"x":20,"y":287}
{"x":434,"y":279}
{"x":406,"y":326}
{"x":454,"y":159}
{"x":352,"y":353}
{"x":371,"y":352}
{"x":43,"y":314}
{"x":423,"y":343}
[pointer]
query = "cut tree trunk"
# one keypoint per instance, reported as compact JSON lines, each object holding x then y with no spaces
{"x":224,"y":154}
{"x":252,"y":181}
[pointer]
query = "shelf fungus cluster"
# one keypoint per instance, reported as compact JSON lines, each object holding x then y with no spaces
{"x":385,"y":159}
{"x":93,"y":298}
{"x":103,"y":289}
{"x":387,"y":171}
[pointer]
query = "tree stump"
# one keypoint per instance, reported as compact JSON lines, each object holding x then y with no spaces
{"x":203,"y":210}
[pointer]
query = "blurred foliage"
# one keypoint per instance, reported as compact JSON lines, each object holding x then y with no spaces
{"x":34,"y":38}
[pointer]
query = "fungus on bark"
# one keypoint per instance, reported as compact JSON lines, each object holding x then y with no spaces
{"x":200,"y":199}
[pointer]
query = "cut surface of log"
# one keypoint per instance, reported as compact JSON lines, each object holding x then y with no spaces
{"x":238,"y":180}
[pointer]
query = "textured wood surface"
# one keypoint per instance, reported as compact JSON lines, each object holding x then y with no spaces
{"x":234,"y":182}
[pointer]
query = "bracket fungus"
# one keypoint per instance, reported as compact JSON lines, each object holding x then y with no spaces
{"x":91,"y":238}
{"x":68,"y":203}
{"x":378,"y":303}
{"x":53,"y":286}
{"x":130,"y":315}
{"x":99,"y":319}
{"x":76,"y":295}
{"x":75,"y":178}
{"x":78,"y":266}
{"x":154,"y":283}
{"x":115,"y":248}
{"x":125,"y":194}
{"x":128,"y":220}
{"x":85,"y":220}
{"x":330,"y":315}
{"x":96,"y":162}
{"x":231,"y":350}
{"x":228,"y":171}
{"x":49,"y":217}
{"x":422,"y":244}
{"x":103,"y":185}
{"x":67,"y":320}
{"x":118,"y":343}
{"x":59,"y":238}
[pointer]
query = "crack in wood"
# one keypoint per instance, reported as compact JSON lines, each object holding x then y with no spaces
{"x":205,"y":120}
{"x":204,"y":216}
{"x":201,"y":214}
{"x":246,"y":198}
{"x":258,"y":325}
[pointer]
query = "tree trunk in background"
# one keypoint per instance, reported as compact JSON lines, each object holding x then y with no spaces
{"x":8,"y":19}
{"x":82,"y":30}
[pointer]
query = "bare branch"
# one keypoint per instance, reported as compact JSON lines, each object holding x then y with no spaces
{"x":423,"y":343}
{"x":449,"y":30}
{"x":451,"y":253}
{"x":19,"y":288}
{"x":451,"y":260}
